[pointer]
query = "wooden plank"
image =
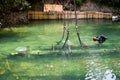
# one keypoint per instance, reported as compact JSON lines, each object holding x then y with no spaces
{"x":68,"y":15}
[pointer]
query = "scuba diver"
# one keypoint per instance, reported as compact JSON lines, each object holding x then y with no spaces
{"x":101,"y":39}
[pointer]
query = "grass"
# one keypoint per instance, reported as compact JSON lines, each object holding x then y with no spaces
{"x":54,"y":65}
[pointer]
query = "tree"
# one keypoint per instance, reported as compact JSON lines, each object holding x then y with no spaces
{"x":9,"y":5}
{"x":79,"y":2}
{"x":111,"y":3}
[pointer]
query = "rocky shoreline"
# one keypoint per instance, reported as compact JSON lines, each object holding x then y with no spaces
{"x":22,"y":17}
{"x":13,"y":18}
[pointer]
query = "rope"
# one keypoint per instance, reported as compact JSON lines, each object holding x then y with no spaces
{"x":76,"y":27}
{"x":66,"y":39}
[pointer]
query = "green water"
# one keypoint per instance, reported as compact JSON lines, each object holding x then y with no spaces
{"x":47,"y":63}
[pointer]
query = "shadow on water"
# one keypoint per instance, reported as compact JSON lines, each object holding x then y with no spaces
{"x":104,"y":51}
{"x":11,"y":35}
{"x":51,"y":77}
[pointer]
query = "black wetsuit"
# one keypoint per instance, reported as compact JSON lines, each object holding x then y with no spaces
{"x":101,"y":39}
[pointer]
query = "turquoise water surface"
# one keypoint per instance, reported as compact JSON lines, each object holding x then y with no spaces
{"x":45,"y":60}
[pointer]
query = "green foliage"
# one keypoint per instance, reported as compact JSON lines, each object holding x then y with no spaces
{"x":8,"y":5}
{"x":78,"y":2}
{"x":112,"y":3}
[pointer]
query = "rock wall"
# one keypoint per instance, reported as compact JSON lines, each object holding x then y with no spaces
{"x":91,"y":6}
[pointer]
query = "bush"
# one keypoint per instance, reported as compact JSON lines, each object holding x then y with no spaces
{"x":79,"y":2}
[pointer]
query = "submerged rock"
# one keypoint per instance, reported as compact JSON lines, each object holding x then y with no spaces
{"x":2,"y":71}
